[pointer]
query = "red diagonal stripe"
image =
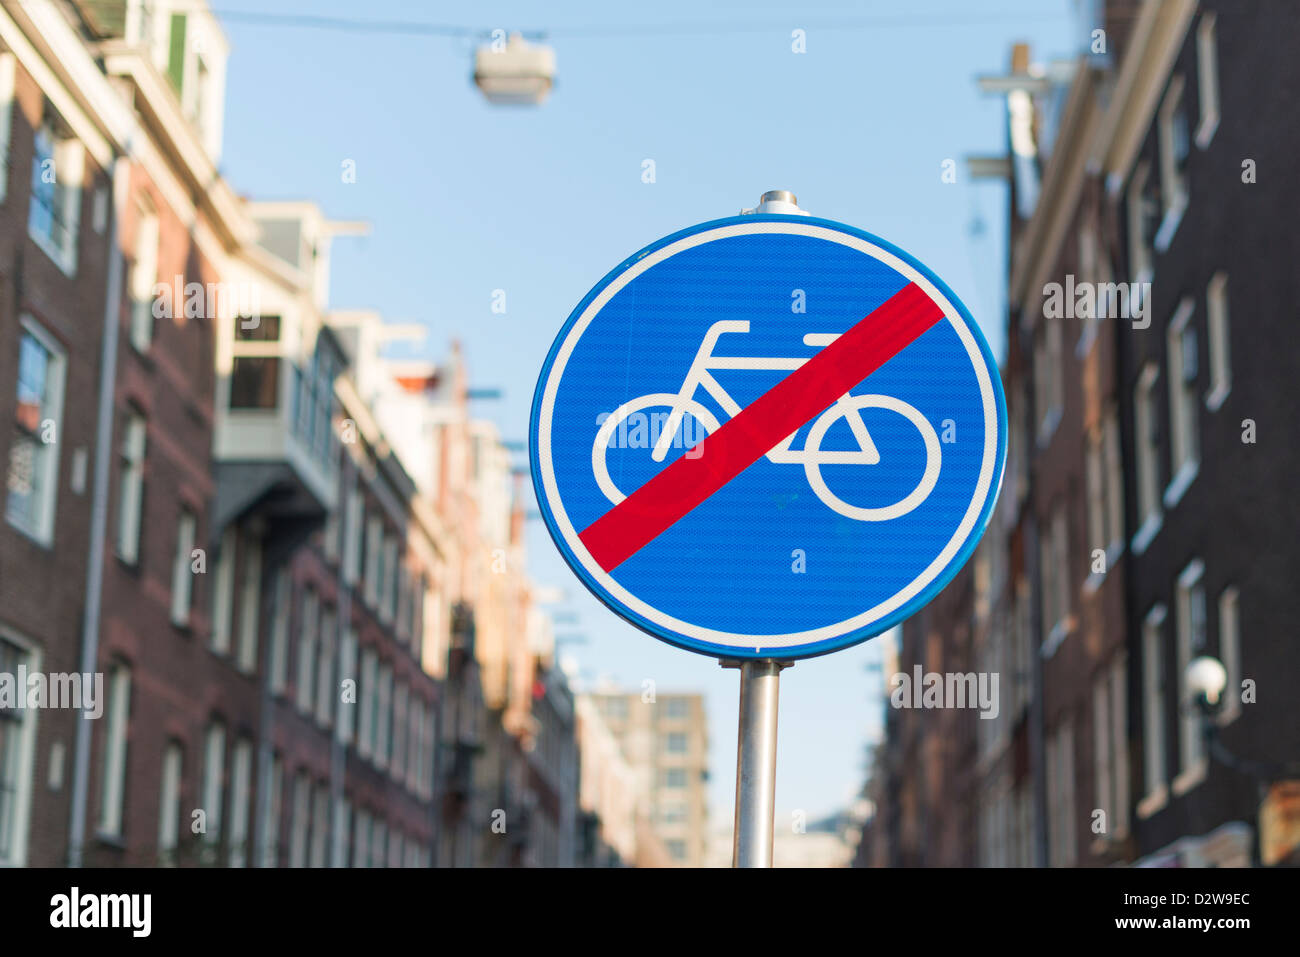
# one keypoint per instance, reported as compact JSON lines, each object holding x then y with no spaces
{"x":653,"y":508}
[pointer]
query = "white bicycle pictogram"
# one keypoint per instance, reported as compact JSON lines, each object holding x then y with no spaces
{"x":811,"y":456}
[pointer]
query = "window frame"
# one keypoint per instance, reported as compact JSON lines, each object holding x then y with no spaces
{"x":1219,"y":328}
{"x":42,"y":530}
{"x":1193,"y":759}
{"x":1146,"y":419}
{"x":61,"y":204}
{"x":111,"y":820}
{"x":143,"y":277}
{"x":1155,"y":727}
{"x":182,"y":606}
{"x":1207,"y":78}
{"x":1184,"y":422}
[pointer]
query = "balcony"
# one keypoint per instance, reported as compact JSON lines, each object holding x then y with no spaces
{"x":275,"y":449}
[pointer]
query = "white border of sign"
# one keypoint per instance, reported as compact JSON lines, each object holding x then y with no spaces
{"x":985,"y":485}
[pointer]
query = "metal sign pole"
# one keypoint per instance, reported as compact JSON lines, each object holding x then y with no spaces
{"x":756,"y":761}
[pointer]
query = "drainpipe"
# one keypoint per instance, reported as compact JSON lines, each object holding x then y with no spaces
{"x":342,"y":622}
{"x":98,"y":508}
{"x":1037,"y":706}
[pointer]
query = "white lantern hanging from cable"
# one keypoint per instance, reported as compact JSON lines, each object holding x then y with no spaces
{"x":513,"y":72}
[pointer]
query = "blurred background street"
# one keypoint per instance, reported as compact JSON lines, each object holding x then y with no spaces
{"x":275,"y":288}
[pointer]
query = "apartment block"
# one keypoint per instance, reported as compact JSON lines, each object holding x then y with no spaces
{"x":664,"y":737}
{"x":1141,"y":523}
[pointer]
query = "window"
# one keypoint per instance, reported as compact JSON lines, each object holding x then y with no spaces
{"x":330,"y":536}
{"x":325,"y":686}
{"x":1048,"y":381}
{"x":1105,"y":491}
{"x":415,"y":616}
{"x":307,"y":649}
{"x":428,"y":747}
{"x":1119,"y":744}
{"x":1110,"y":747}
{"x":361,"y":839}
{"x":366,"y":731}
{"x":389,"y":580}
{"x":113,"y":771}
{"x":257,"y":328}
{"x":378,"y":842}
{"x":58,"y":164}
{"x":214,"y":769}
{"x":1090,"y":271}
{"x":1143,"y":208}
{"x":169,"y":803}
{"x":374,"y":544}
{"x":1184,"y":449}
{"x":352,"y":559}
{"x":1189,"y":619}
{"x":674,"y":813}
{"x":7,"y":61}
{"x":398,"y":764}
{"x":1147,"y":445}
{"x":176,"y":52}
{"x":1153,"y":704}
{"x":298,"y":827}
{"x":347,"y":672}
{"x":313,"y":398}
{"x":339,"y":848}
{"x":383,"y":716}
{"x":182,"y":576}
{"x":241,"y":773}
{"x":676,"y":708}
{"x":674,"y":777}
{"x":250,"y":605}
{"x":1114,"y":480}
{"x":1230,"y":653}
{"x":280,"y":633}
{"x":616,"y":708}
{"x":271,"y":823}
{"x":676,"y":850}
{"x":403,"y":624}
{"x":223,"y":590}
{"x":394,"y":848}
{"x":1062,"y":839}
{"x":1216,"y":309}
{"x":415,"y":747}
{"x":320,"y":825}
{"x":255,"y":382}
{"x":143,"y":277}
{"x":130,"y":494}
{"x":675,"y":743}
{"x":1054,"y":556}
{"x":32,"y":482}
{"x":1096,"y":483}
{"x":1175,"y":147}
{"x":1207,"y":79}
{"x":17,"y":751}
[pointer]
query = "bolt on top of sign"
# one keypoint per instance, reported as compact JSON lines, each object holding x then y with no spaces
{"x":768,"y":436}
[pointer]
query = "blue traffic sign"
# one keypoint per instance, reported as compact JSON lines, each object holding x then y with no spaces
{"x":768,"y":436}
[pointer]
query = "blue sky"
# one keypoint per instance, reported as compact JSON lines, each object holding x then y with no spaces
{"x":465,"y":198}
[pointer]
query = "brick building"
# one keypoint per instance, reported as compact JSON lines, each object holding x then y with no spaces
{"x":1136,"y":504}
{"x":56,"y":253}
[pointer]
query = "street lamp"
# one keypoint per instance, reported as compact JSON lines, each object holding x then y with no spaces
{"x":514,"y":72}
{"x":1207,"y":679}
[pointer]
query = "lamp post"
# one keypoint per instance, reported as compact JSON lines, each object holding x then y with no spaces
{"x":1207,"y":680}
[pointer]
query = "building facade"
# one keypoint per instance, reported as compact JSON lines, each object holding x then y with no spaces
{"x":1138,"y":501}
{"x":664,"y":737}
